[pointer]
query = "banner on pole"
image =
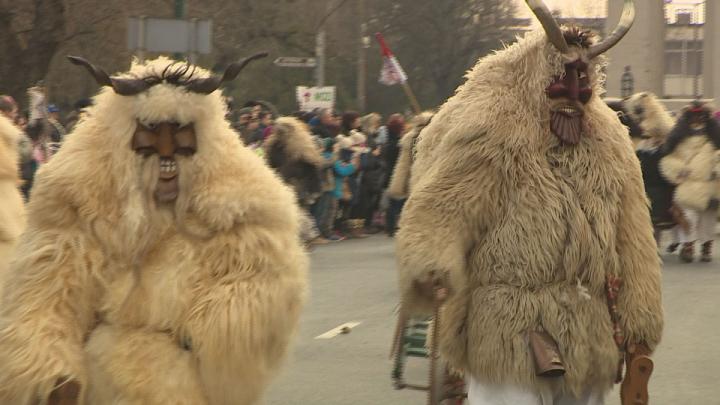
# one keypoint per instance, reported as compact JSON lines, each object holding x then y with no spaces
{"x":392,"y":73}
{"x":310,"y":98}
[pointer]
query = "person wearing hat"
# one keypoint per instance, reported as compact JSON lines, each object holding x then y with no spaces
{"x":57,"y":131}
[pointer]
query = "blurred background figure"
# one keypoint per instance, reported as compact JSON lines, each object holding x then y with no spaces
{"x":391,"y":151}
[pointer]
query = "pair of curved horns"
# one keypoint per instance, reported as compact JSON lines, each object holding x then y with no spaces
{"x":124,"y":87}
{"x":555,"y":35}
{"x":212,"y":83}
{"x":130,"y":87}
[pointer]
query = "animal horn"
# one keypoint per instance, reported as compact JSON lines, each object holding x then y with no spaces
{"x":123,"y":87}
{"x":212,"y":83}
{"x":626,"y":21}
{"x":551,"y":27}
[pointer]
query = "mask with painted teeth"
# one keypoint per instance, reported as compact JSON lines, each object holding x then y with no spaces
{"x":168,"y":140}
{"x":568,"y":95}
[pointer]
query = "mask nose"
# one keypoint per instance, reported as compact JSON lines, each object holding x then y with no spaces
{"x":165,"y":143}
{"x":573,"y":85}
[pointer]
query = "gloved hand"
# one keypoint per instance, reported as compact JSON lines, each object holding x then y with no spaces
{"x":435,"y":286}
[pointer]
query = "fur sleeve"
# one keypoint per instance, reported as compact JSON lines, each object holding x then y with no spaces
{"x":46,"y":312}
{"x":640,"y":298}
{"x":246,"y":310}
{"x":400,"y":180}
{"x":447,"y":212}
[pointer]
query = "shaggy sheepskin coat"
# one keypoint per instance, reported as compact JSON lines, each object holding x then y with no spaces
{"x":292,"y":152}
{"x":145,"y":305}
{"x":12,"y":215}
{"x":698,"y":159}
{"x":527,"y":229}
{"x":399,"y":187}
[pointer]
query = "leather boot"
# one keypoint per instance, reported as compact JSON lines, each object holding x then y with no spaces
{"x":356,"y":228}
{"x":707,"y":252}
{"x":687,"y":253}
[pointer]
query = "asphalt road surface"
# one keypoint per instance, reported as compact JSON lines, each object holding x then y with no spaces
{"x":355,"y":282}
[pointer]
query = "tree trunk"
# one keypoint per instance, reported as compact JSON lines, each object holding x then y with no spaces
{"x":28,"y":54}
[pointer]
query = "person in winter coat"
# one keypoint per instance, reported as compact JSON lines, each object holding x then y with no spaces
{"x":692,"y":163}
{"x":390,"y":153}
{"x":345,"y":167}
{"x":401,"y":180}
{"x":325,"y":207}
{"x":370,"y":189}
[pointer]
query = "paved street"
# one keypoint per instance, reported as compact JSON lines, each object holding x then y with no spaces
{"x":354,"y":281}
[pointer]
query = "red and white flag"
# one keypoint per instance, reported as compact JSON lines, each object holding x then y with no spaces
{"x":392,"y":73}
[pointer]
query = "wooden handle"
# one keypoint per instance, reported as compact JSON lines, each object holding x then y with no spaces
{"x":634,"y":388}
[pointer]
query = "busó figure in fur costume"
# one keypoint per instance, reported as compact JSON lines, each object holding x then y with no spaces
{"x":654,"y":119}
{"x":161,"y":263}
{"x":692,"y":162}
{"x":12,"y":216}
{"x":292,"y":152}
{"x":649,"y":124}
{"x":530,"y":202}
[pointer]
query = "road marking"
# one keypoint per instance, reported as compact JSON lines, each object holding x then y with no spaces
{"x":338,"y":330}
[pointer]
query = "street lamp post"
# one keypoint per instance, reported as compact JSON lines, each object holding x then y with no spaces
{"x":320,"y":56}
{"x":179,"y":13}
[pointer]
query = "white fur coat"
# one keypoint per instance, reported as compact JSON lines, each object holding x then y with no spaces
{"x":143,"y":305}
{"x":12,"y":215}
{"x":526,"y":229}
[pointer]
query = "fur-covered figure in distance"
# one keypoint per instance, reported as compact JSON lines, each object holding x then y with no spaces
{"x":649,"y":125}
{"x":530,"y":198}
{"x":647,"y":111}
{"x":402,"y":178}
{"x":12,"y":214}
{"x":161,"y":263}
{"x":692,"y":162}
{"x":292,"y":152}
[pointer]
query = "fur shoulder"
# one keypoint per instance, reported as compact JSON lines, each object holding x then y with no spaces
{"x":296,"y":139}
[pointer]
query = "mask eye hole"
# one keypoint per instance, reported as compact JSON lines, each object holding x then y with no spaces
{"x":185,"y":151}
{"x":145,"y":151}
{"x":152,"y":126}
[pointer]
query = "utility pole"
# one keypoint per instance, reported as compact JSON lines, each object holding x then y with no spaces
{"x":320,"y":55}
{"x":362,"y":58}
{"x":180,"y":14}
{"x":320,"y":43}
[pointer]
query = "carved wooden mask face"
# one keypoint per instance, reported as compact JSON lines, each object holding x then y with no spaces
{"x":568,"y":95}
{"x":168,"y":140}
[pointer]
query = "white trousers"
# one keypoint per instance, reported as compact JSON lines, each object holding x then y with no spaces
{"x":702,"y":225}
{"x":487,"y":394}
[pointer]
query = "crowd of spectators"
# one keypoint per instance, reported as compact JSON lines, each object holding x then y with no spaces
{"x":358,"y":152}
